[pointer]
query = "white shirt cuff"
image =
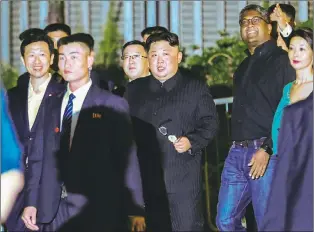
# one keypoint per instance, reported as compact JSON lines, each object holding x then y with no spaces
{"x":286,"y":31}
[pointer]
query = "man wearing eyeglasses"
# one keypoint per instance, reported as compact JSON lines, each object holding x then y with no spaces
{"x":258,"y":81}
{"x":135,"y":63}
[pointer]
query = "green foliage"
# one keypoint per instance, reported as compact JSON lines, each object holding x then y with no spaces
{"x":218,"y":63}
{"x":265,"y":4}
{"x":308,"y":23}
{"x":8,"y":75}
{"x":110,"y":45}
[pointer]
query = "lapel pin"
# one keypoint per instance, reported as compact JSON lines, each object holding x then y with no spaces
{"x":57,"y":129}
{"x":95,"y":115}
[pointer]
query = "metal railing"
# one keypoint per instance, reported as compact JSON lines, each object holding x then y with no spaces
{"x":226,"y":102}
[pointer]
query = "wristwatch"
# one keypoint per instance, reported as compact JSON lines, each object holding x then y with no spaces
{"x":267,"y":149}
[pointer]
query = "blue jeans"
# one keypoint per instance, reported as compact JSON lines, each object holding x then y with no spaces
{"x":238,"y":189}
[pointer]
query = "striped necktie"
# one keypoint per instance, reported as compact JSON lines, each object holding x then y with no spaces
{"x":67,"y":119}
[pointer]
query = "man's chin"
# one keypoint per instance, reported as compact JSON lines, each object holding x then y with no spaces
{"x":38,"y":75}
{"x":252,"y":42}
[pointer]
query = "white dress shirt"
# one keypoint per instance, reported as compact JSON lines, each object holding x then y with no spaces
{"x":34,"y":100}
{"x":80,"y":95}
{"x":286,"y":31}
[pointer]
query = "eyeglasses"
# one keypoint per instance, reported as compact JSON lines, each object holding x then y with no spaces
{"x":163,"y":130}
{"x":254,"y":21}
{"x":133,"y":57}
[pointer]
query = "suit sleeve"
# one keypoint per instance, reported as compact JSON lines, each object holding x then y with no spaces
{"x":286,"y":34}
{"x":206,"y":121}
{"x":132,"y":177}
{"x":275,"y":216}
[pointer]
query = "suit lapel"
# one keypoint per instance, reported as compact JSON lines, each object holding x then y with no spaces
{"x":89,"y":102}
{"x":52,"y":107}
{"x":53,"y":88}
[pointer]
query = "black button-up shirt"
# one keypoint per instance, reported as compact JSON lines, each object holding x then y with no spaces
{"x":258,"y":82}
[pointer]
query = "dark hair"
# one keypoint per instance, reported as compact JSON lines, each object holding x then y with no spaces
{"x":171,"y":38}
{"x":133,"y":42}
{"x":288,"y":9}
{"x":33,"y":35}
{"x":79,"y":38}
{"x":262,"y":11}
{"x":58,"y":27}
{"x":153,"y":30}
{"x":305,"y":33}
{"x":30,"y":32}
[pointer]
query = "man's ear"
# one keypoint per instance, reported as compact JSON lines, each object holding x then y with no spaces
{"x":269,"y":26}
{"x":180,"y":56}
{"x":22,"y":60}
{"x":90,"y":59}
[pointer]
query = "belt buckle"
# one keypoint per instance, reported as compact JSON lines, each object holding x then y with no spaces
{"x":244,"y":143}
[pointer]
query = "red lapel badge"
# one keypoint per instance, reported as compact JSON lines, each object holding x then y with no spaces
{"x":57,"y":130}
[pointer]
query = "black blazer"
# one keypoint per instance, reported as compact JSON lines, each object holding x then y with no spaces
{"x":96,"y":165}
{"x":30,"y":139}
{"x":185,"y":107}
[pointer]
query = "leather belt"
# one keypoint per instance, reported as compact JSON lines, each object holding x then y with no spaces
{"x":248,"y":143}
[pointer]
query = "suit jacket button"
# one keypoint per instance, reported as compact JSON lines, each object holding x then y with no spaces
{"x":155,"y":114}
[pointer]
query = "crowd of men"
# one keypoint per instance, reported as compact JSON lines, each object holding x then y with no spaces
{"x":98,"y":158}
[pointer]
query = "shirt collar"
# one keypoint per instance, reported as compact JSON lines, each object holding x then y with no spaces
{"x":41,"y":88}
{"x":168,"y":84}
{"x":81,"y":92}
{"x":263,"y":49}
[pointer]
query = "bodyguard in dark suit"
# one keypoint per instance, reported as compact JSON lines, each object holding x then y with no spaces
{"x":85,"y":163}
{"x":174,"y":118}
{"x":290,"y":205}
{"x":26,"y":103}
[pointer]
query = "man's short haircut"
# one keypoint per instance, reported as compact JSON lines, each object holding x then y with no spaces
{"x":58,"y":27}
{"x":262,"y":11}
{"x":84,"y":38}
{"x":33,"y":35}
{"x":305,"y":33}
{"x":288,"y":9}
{"x":171,"y":38}
{"x":153,"y":30}
{"x":133,"y":42}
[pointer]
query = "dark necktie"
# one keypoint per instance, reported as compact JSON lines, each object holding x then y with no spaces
{"x":67,"y":119}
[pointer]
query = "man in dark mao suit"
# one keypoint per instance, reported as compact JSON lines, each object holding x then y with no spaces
{"x":174,"y":118}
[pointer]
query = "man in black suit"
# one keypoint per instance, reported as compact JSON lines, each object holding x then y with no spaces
{"x":174,"y":118}
{"x":57,"y":31}
{"x":282,"y":18}
{"x":26,"y":103}
{"x":87,"y":138}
